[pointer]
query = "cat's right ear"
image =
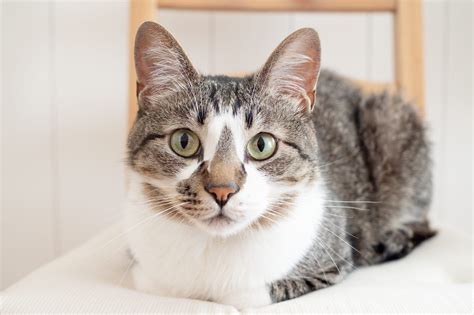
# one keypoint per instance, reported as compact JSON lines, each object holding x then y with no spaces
{"x":161,"y":65}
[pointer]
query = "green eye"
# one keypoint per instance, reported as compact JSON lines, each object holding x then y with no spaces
{"x":262,"y":146}
{"x":184,"y":142}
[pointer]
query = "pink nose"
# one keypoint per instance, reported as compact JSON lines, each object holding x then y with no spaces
{"x":222,"y":193}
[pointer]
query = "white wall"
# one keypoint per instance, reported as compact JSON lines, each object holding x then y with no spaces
{"x":64,"y":84}
{"x":64,"y":107}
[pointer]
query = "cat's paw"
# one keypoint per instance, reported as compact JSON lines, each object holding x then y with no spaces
{"x":286,"y":289}
{"x":250,"y":298}
{"x":397,"y":243}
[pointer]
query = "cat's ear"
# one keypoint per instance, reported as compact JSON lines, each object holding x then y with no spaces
{"x":161,"y":65}
{"x":293,"y":68}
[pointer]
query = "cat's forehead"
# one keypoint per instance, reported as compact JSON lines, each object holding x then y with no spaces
{"x":225,"y":132}
{"x":219,"y":98}
{"x":244,"y":98}
{"x":213,"y":100}
{"x":225,"y":92}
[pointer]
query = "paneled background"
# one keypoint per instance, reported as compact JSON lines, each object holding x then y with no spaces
{"x":64,"y":104}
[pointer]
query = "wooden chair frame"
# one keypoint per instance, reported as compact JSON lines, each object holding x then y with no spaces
{"x":408,"y":35}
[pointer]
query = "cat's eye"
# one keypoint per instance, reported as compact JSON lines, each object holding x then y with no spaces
{"x":262,"y":146}
{"x":184,"y":142}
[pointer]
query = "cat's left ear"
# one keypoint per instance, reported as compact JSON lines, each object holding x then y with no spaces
{"x":293,"y":68}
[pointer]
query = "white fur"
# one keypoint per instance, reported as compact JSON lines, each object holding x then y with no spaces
{"x":228,"y":263}
{"x":214,"y":131}
{"x":183,"y":261}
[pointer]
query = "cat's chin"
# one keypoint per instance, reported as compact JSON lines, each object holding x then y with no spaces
{"x":221,"y":226}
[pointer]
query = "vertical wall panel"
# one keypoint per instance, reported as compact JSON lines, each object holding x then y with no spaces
{"x":457,"y":206}
{"x":380,"y":52}
{"x":2,"y":285}
{"x":27,"y":184}
{"x":243,"y":41}
{"x":91,"y":94}
{"x":435,"y":48}
{"x":344,"y":40}
{"x":192,"y":29}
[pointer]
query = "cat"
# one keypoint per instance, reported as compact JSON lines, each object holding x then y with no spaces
{"x":255,"y":190}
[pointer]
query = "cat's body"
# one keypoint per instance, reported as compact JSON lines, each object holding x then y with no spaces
{"x":346,"y":185}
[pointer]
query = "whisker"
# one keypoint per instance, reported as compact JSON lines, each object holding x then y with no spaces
{"x":349,"y":157}
{"x":139,"y":223}
{"x":156,"y":202}
{"x":320,"y":267}
{"x":342,"y":229}
{"x":348,"y":207}
{"x":276,"y":214}
{"x":341,"y":239}
{"x":324,"y":248}
{"x":126,"y":271}
{"x":353,"y":201}
{"x":337,"y":215}
{"x":340,"y":256}
{"x":267,"y":218}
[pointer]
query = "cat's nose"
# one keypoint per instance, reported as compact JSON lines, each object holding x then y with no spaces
{"x":222,"y":193}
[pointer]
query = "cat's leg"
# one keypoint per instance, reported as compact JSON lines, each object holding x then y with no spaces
{"x":294,"y":286}
{"x":399,"y":242}
{"x":394,"y":143}
{"x":326,"y":263}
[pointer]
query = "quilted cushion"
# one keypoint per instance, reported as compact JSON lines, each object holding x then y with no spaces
{"x":437,"y":277}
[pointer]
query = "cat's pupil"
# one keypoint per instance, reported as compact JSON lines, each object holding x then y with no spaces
{"x":260,"y":144}
{"x":184,"y":140}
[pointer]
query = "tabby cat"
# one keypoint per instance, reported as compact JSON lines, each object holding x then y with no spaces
{"x":254,"y":190}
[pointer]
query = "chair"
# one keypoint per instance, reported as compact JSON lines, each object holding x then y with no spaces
{"x":95,"y":278}
{"x":408,"y":33}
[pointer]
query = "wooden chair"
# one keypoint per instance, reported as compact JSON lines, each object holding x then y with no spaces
{"x":408,"y":33}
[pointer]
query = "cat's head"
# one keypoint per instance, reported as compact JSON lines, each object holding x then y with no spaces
{"x":224,"y":154}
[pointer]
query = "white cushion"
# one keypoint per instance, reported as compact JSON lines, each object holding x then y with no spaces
{"x":436,"y":277}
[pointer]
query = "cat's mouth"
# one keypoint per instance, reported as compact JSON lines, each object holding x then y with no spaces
{"x":219,"y":219}
{"x":220,"y":224}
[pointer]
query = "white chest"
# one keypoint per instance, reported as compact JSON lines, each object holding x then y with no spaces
{"x":182,"y":261}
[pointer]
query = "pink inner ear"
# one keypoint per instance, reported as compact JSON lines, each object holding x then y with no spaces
{"x":312,"y":98}
{"x":310,"y":72}
{"x":293,"y":67}
{"x":161,"y":65}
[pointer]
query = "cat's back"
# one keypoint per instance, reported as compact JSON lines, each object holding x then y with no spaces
{"x":337,"y":128}
{"x":374,"y":152}
{"x":359,"y":131}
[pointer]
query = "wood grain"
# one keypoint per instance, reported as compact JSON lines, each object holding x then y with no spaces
{"x":409,"y":70}
{"x":140,"y":11}
{"x":372,"y":87}
{"x":281,"y":5}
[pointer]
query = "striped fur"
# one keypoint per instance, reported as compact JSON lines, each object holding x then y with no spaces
{"x":349,"y":184}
